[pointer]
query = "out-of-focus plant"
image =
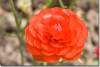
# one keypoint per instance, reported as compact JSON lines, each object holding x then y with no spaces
{"x":19,"y":32}
{"x":61,"y":3}
{"x":25,"y":6}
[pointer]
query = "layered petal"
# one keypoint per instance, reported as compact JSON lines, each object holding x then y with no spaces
{"x":55,"y":33}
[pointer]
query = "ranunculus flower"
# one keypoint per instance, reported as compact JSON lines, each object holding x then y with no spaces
{"x":55,"y":33}
{"x":96,"y":51}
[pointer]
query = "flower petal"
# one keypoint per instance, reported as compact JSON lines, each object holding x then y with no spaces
{"x":74,"y":52}
{"x":49,"y":59}
{"x":32,"y":50}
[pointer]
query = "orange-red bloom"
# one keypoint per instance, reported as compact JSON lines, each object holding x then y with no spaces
{"x":96,"y":51}
{"x":55,"y":33}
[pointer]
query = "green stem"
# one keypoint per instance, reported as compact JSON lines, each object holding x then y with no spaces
{"x":61,"y":4}
{"x":48,"y":3}
{"x":72,"y":4}
{"x":21,"y":49}
{"x":18,"y":28}
{"x":14,"y":13}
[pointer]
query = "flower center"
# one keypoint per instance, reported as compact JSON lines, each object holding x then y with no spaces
{"x":58,"y":27}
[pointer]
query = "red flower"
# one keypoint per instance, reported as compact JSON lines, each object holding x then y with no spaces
{"x":55,"y":33}
{"x":96,"y":51}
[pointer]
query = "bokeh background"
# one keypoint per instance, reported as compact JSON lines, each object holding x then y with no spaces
{"x":10,"y":44}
